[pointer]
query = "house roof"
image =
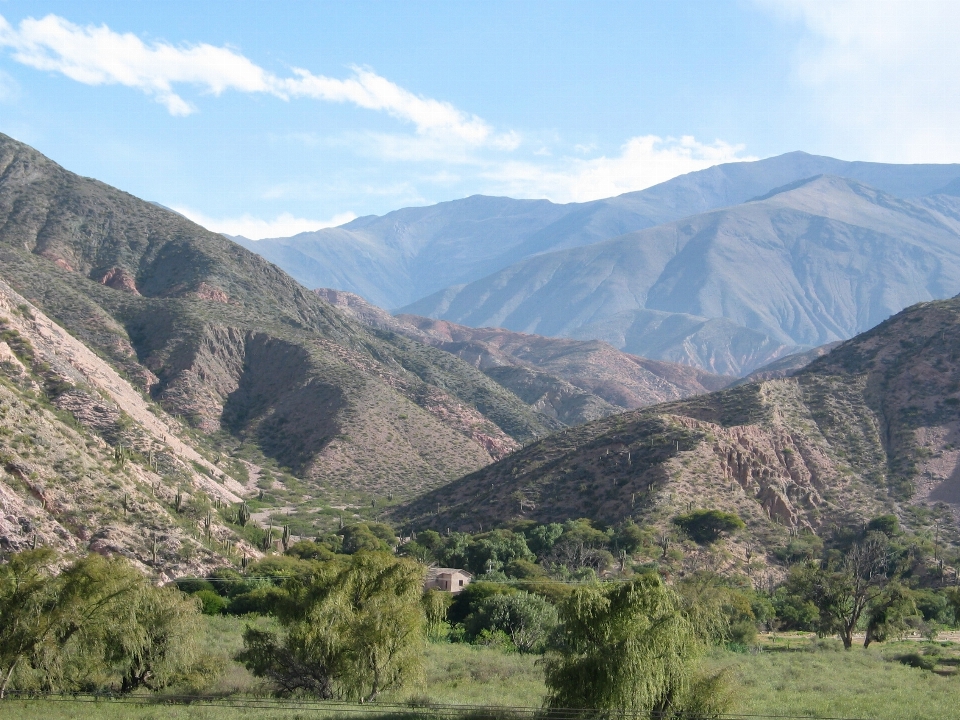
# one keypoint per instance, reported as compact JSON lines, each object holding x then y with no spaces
{"x":437,"y":571}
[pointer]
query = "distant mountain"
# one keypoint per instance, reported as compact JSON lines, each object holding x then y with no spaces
{"x":816,"y":261}
{"x":870,"y":428}
{"x":574,"y":381}
{"x":788,"y":365}
{"x":405,"y":255}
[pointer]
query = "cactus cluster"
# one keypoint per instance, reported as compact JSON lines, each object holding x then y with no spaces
{"x":243,"y":515}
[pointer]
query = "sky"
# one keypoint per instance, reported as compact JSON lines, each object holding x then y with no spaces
{"x":266,"y":119}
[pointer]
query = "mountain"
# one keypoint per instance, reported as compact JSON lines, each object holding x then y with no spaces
{"x":408,"y":254}
{"x":816,"y":261}
{"x":788,"y":365}
{"x":87,"y":463}
{"x":254,"y":364}
{"x":871,"y":427}
{"x":574,"y":381}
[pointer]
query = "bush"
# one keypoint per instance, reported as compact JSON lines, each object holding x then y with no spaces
{"x":708,"y":526}
{"x":193,"y":585}
{"x":525,"y":618}
{"x":211,"y":603}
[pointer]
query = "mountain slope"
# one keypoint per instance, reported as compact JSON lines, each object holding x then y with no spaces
{"x":733,"y":289}
{"x":572,"y":380}
{"x":234,"y":345}
{"x":871,"y":427}
{"x":405,"y":255}
{"x":64,"y":416}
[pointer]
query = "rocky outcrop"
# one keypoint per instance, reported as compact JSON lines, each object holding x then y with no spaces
{"x":119,"y":279}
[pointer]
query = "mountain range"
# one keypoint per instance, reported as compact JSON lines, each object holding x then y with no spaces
{"x":870,"y":428}
{"x":670,"y":272}
{"x":154,"y":374}
{"x":146,"y":362}
{"x":810,"y":263}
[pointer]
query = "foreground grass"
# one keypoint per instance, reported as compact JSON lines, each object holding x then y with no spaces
{"x":800,"y":678}
{"x":825,"y":681}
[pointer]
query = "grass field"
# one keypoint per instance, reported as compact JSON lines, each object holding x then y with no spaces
{"x":795,"y":677}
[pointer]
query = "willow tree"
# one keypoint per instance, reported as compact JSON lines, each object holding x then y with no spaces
{"x":27,"y":601}
{"x":353,"y":630}
{"x":631,"y":649}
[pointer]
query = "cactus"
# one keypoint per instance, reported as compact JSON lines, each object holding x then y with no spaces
{"x":260,"y":495}
{"x":341,"y":521}
{"x":34,"y":544}
{"x":208,"y":523}
{"x":243,"y":515}
{"x":156,"y":548}
{"x":286,"y":537}
{"x":178,"y":501}
{"x":119,"y":456}
{"x":268,"y":539}
{"x":244,"y":562}
{"x":126,"y":504}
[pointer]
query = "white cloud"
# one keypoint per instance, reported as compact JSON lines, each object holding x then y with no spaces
{"x":96,"y":55}
{"x":642,"y":162}
{"x":284,"y":225}
{"x":882,"y":73}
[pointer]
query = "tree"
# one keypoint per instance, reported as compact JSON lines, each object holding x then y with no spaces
{"x":355,"y":629}
{"x":888,"y":613}
{"x":843,"y":589}
{"x":436,"y":605}
{"x":629,"y":649}
{"x":98,"y":623}
{"x":527,"y":619}
{"x":27,"y":597}
{"x":708,"y":526}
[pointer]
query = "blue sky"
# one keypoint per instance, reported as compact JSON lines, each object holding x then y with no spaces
{"x":269,"y":118}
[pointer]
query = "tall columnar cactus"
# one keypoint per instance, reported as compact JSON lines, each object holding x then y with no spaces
{"x":243,"y":515}
{"x":156,"y":549}
{"x":208,"y":523}
{"x":268,"y":539}
{"x":126,"y":504}
{"x":178,"y":501}
{"x":286,"y":537}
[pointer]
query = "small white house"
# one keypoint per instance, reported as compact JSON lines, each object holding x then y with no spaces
{"x":450,"y":580}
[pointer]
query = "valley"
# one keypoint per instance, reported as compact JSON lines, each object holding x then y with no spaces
{"x":171,"y":400}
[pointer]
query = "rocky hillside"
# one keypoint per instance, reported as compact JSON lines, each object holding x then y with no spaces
{"x":728,"y":291}
{"x":870,"y":428}
{"x":87,"y":462}
{"x":228,"y":342}
{"x":574,"y":381}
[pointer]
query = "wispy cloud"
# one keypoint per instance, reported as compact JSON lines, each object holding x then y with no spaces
{"x":255,"y":228}
{"x":97,"y":55}
{"x":642,"y":162}
{"x":882,"y":74}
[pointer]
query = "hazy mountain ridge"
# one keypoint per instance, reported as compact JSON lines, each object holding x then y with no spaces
{"x":732,"y":289}
{"x":410,"y":253}
{"x":868,"y":428}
